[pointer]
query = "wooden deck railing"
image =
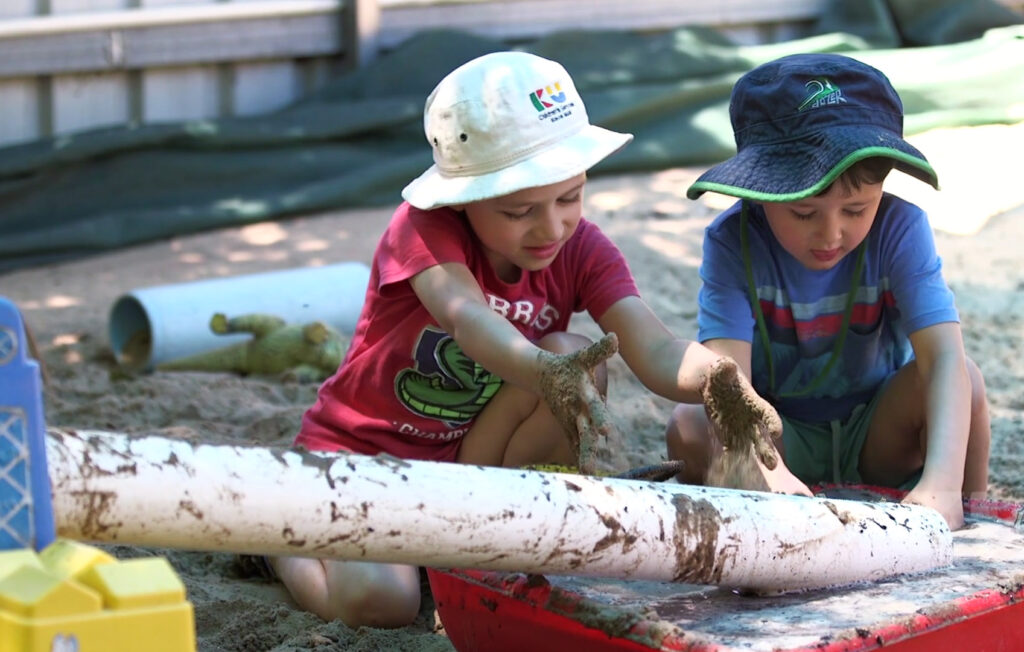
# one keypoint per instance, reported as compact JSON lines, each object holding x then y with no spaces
{"x":143,"y":61}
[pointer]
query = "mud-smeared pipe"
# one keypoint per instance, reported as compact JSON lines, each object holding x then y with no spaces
{"x":151,"y":491}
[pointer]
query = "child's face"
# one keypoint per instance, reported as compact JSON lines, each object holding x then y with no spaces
{"x":819,"y":231}
{"x":527,"y":229}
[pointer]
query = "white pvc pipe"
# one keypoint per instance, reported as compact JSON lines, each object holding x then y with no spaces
{"x":168,"y":322}
{"x":157,"y":492}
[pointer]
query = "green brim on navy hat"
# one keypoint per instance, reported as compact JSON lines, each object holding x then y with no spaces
{"x":803,"y":120}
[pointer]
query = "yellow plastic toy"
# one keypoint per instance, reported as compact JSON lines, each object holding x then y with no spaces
{"x":71,"y":597}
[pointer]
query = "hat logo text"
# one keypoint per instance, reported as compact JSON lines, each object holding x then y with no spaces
{"x":821,"y":92}
{"x":545,"y":98}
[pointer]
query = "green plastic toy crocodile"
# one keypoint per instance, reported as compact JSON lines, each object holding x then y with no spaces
{"x":303,"y":352}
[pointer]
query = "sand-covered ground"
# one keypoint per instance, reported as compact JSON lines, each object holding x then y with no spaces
{"x":979,"y":220}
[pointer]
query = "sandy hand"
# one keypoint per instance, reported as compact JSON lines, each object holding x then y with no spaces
{"x":744,"y":422}
{"x":569,"y":386}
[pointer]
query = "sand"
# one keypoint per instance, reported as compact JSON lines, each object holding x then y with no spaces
{"x":979,"y":217}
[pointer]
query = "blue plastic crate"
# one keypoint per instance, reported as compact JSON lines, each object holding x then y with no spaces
{"x":26,"y":514}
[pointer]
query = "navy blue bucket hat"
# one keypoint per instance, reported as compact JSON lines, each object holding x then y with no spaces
{"x":801,"y":121}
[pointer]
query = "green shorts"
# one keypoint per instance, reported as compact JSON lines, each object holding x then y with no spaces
{"x":828,"y":452}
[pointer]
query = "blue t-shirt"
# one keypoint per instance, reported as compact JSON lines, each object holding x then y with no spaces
{"x":901,"y":290}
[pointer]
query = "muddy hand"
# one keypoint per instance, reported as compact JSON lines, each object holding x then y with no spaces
{"x":739,"y":415}
{"x":570,"y":390}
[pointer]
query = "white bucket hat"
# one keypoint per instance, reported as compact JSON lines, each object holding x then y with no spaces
{"x":504,"y":122}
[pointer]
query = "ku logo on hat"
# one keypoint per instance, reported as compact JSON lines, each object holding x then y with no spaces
{"x":540,"y":104}
{"x":822,"y":91}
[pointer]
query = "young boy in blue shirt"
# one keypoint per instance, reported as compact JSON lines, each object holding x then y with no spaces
{"x":828,"y":293}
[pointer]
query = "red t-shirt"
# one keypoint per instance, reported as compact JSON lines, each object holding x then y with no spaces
{"x":405,"y":387}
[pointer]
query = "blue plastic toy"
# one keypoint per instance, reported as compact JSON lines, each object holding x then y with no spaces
{"x":26,"y":514}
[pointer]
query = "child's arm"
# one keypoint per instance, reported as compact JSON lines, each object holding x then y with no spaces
{"x":942,"y":365}
{"x":668,"y":366}
{"x":683,"y":370}
{"x":453,"y":297}
{"x":778,"y":476}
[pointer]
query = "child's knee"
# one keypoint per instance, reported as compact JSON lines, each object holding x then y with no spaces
{"x":562,"y":342}
{"x":378,"y":596}
{"x":688,"y":426}
{"x":688,"y":438}
{"x":979,"y":395}
{"x":376,"y":606}
{"x":980,"y":429}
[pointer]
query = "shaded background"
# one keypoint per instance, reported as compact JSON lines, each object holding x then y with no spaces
{"x":359,"y":140}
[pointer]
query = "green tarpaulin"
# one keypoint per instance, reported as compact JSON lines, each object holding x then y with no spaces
{"x":359,"y":140}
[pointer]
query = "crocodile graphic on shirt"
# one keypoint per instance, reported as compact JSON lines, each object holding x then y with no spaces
{"x":445,"y":384}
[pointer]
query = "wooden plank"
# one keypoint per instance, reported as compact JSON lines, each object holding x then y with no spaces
{"x":240,"y":40}
{"x":19,"y":98}
{"x":262,"y":87}
{"x":748,"y":21}
{"x":170,"y":36}
{"x":519,"y":19}
{"x":58,"y":7}
{"x":19,"y":107}
{"x":189,"y":93}
{"x":180,"y":93}
{"x":74,"y":103}
{"x":88,"y":101}
{"x":17,"y":8}
{"x":362,"y":29}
